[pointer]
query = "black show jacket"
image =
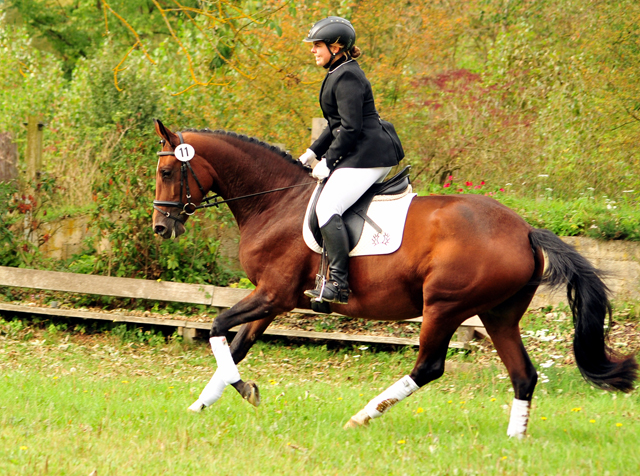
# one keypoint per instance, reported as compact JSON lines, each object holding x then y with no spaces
{"x":354,"y":137}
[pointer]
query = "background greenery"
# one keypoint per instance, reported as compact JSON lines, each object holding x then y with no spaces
{"x":538,"y":101}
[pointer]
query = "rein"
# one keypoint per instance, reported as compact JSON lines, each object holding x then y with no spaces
{"x":215,"y":200}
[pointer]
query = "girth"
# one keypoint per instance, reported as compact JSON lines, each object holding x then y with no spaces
{"x":356,"y":216}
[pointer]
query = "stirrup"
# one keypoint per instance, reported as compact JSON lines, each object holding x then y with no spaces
{"x":329,"y":292}
{"x":321,"y":281}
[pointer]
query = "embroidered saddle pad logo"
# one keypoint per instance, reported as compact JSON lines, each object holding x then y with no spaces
{"x":388,"y":213}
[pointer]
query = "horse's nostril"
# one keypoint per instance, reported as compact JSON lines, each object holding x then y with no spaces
{"x":159,"y":229}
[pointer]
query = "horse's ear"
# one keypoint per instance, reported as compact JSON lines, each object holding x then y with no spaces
{"x":165,"y":133}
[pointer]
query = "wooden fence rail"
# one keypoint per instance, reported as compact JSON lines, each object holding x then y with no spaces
{"x":209,"y":295}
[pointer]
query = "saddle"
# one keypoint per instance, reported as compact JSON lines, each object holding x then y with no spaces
{"x":356,"y":216}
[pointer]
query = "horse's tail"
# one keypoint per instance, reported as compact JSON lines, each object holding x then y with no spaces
{"x":587,"y":296}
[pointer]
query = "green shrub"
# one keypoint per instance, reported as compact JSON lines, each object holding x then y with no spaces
{"x":9,"y":255}
{"x":128,"y":333}
{"x":97,"y":103}
{"x":31,"y":81}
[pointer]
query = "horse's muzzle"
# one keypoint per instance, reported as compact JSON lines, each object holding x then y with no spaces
{"x":168,"y":228}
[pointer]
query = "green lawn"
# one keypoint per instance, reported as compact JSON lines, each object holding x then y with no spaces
{"x":71,"y":404}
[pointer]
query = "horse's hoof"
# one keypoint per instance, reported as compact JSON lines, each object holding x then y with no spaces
{"x":359,"y":419}
{"x":196,"y":407}
{"x":251,"y":393}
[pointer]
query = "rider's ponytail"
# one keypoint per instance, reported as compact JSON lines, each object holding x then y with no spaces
{"x":354,"y":52}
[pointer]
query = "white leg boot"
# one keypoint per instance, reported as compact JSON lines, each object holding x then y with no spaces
{"x":226,"y":374}
{"x":380,"y":404}
{"x":519,"y":419}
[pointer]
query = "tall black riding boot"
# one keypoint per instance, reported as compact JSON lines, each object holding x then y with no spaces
{"x":336,"y":242}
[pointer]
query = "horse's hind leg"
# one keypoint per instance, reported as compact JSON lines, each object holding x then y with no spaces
{"x":502,"y":325}
{"x":435,"y":335}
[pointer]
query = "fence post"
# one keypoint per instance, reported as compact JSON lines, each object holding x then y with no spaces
{"x":33,"y":169}
{"x":8,"y":158}
{"x":34,"y":147}
{"x":189,"y":334}
{"x":317,"y":126}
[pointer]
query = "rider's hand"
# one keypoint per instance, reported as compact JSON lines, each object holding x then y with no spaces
{"x":321,"y":171}
{"x":307,"y":156}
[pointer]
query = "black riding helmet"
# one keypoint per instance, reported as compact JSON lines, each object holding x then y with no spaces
{"x":332,"y":30}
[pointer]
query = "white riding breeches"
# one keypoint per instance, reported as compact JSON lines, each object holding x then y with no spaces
{"x":344,"y":187}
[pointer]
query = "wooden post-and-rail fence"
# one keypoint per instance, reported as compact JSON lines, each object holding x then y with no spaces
{"x":209,"y":295}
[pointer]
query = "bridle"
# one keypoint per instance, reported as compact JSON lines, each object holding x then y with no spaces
{"x":215,"y":200}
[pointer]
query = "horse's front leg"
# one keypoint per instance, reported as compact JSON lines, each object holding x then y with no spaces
{"x":257,"y":305}
{"x":256,"y":313}
{"x":243,"y":341}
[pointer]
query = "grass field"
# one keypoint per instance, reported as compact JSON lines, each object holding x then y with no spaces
{"x":98,"y":404}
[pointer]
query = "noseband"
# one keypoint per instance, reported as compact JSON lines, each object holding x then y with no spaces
{"x":190,"y":208}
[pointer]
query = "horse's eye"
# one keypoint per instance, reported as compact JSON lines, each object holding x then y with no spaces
{"x":162,"y":141}
{"x":165,"y":174}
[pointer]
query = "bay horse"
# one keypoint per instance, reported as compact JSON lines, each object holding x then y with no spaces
{"x":461,"y":255}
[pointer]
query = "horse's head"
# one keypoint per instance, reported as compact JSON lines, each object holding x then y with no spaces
{"x":182,"y":180}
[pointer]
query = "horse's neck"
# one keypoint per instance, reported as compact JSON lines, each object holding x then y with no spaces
{"x":252,"y":169}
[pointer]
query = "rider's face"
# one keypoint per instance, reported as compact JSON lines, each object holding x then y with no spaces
{"x":321,"y":52}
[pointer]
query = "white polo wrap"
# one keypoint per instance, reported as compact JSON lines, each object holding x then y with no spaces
{"x":520,"y":410}
{"x":226,"y":373}
{"x":397,"y":392}
{"x":226,"y":366}
{"x":213,"y":391}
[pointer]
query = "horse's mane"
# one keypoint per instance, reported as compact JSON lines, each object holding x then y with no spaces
{"x":250,"y":140}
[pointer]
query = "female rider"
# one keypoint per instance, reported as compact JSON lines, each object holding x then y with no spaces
{"x":355,"y":150}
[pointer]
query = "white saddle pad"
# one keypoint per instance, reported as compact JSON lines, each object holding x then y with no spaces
{"x":389,"y":212}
